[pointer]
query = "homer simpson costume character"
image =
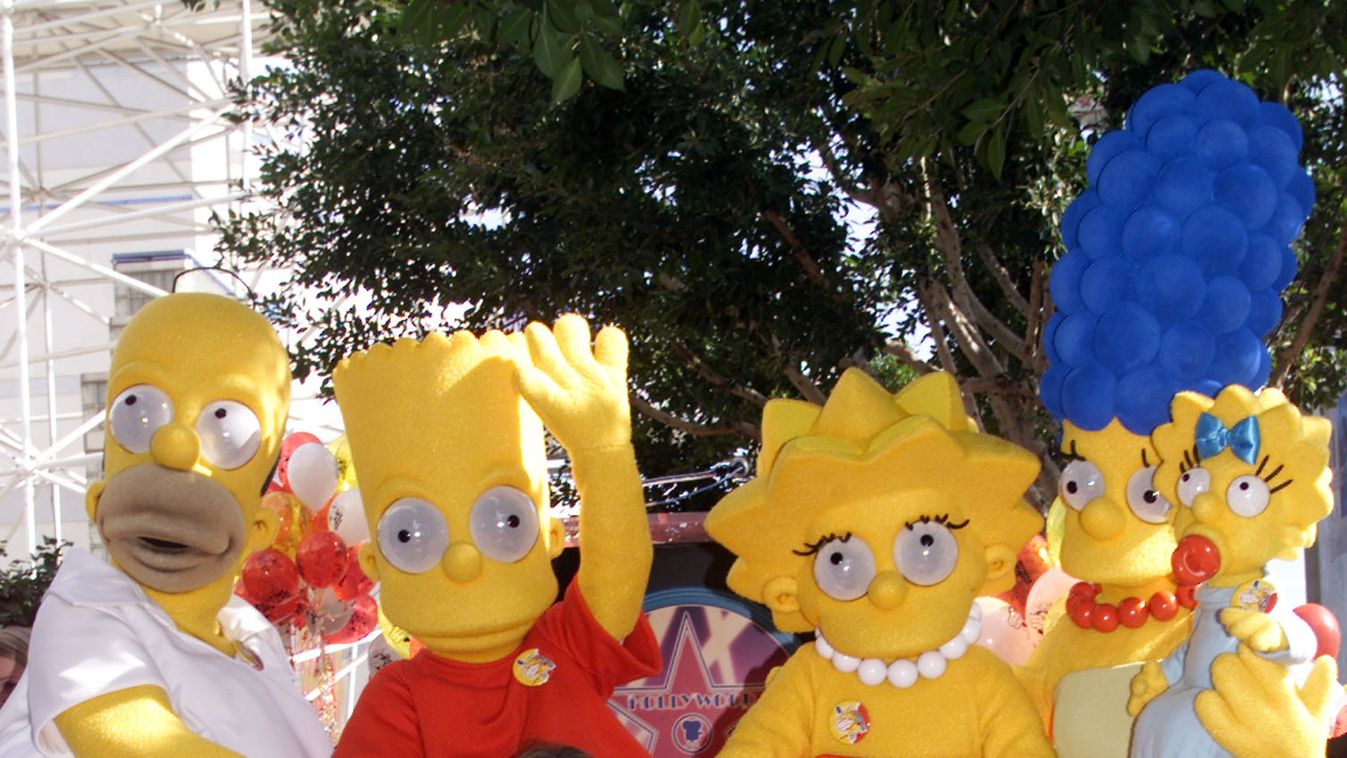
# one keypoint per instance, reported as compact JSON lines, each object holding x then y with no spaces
{"x":153,"y":655}
{"x":1175,"y":257}
{"x":874,"y":521}
{"x":1251,"y":475}
{"x":450,"y":456}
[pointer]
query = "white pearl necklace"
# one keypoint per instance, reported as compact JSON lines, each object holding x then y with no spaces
{"x":903,"y":673}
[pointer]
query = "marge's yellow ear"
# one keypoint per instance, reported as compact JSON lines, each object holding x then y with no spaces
{"x":780,"y":594}
{"x":262,"y":531}
{"x":368,"y":562}
{"x":1000,"y":563}
{"x":91,"y":496}
{"x":556,"y":537}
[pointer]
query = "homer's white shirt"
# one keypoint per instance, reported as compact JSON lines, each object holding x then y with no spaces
{"x":97,"y":632}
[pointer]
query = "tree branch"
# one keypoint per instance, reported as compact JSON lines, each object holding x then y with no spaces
{"x":800,"y":252}
{"x":840,"y":176}
{"x":1040,"y":310}
{"x":716,"y":379}
{"x":902,"y":352}
{"x":1002,"y":277}
{"x":1320,"y":299}
{"x":691,"y":427}
{"x":802,"y":383}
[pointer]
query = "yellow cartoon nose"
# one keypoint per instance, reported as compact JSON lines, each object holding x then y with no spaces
{"x":1102,"y":519}
{"x":175,"y":446}
{"x":887,"y":590}
{"x":1207,"y":508}
{"x":462,"y":562}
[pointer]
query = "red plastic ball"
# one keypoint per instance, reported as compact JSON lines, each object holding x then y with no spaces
{"x":353,"y":583}
{"x":364,"y":617}
{"x":269,"y":576}
{"x":1195,"y":560}
{"x":1325,"y":626}
{"x":1132,"y":612}
{"x":322,"y":559}
{"x":1105,"y":617}
{"x":1163,"y":606}
{"x":1082,"y":615}
{"x":1185,"y":595}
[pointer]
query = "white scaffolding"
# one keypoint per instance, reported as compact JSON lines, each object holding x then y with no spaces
{"x":117,"y":150}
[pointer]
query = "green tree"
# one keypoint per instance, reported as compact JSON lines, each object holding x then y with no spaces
{"x":23,"y":584}
{"x":691,"y":170}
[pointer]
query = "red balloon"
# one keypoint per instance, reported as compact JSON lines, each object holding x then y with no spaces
{"x":269,"y":576}
{"x":364,"y":617}
{"x":322,"y":559}
{"x":1195,"y":560}
{"x":318,"y":521}
{"x":354,"y":583}
{"x":242,"y":592}
{"x":288,"y":446}
{"x":1325,"y":626}
{"x":283,"y":612}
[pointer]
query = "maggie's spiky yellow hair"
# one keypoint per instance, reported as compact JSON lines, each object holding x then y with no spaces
{"x":1290,"y":439}
{"x":420,"y":408}
{"x":861,"y":442}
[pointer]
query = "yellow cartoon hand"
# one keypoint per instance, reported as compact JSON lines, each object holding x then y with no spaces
{"x":1255,"y":629}
{"x":581,"y":395}
{"x":1255,"y":709}
{"x":1149,"y":682}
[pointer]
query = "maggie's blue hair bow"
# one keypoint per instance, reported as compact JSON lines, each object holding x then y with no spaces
{"x":1212,"y":437}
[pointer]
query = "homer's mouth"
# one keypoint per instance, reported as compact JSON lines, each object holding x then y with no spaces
{"x":165,"y":545}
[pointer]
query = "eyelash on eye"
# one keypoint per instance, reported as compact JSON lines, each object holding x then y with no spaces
{"x":941,"y":519}
{"x":814,"y":547}
{"x":1272,"y":475}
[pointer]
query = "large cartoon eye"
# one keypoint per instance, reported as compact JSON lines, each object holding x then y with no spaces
{"x":1081,"y":482}
{"x":413,"y":535}
{"x":229,"y":434}
{"x":504,"y":524}
{"x":925,"y":553}
{"x":1247,"y":496}
{"x":137,"y":414}
{"x":1192,"y":483}
{"x":843,"y":568}
{"x":1144,"y":500}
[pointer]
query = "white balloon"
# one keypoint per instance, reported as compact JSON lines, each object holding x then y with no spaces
{"x":381,"y":654}
{"x":313,"y":474}
{"x":1004,"y":632}
{"x":346,"y":517}
{"x":331,"y":611}
{"x":1047,"y":590}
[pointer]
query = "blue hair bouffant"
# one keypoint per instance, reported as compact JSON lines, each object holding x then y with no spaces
{"x":1175,"y":255}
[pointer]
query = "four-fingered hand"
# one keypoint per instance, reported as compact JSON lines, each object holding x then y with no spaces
{"x":581,"y":395}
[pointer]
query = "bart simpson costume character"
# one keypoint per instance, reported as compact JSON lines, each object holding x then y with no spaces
{"x":1251,"y":475}
{"x":874,"y":521}
{"x":1117,"y":537}
{"x":153,"y":655}
{"x":450,"y":456}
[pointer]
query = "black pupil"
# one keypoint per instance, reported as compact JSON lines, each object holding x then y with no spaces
{"x":1244,"y":485}
{"x":836,"y":559}
{"x":221,"y":413}
{"x":512,"y":521}
{"x":131,"y":400}
{"x":927,"y":540}
{"x":1151,"y":496}
{"x":1071,"y":487}
{"x":1186,"y":477}
{"x":404,"y":536}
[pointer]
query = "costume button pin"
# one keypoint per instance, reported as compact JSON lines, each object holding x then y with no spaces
{"x":1257,"y":595}
{"x":850,"y":721}
{"x":532,"y":668}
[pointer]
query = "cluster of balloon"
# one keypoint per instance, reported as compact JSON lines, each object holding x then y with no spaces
{"x":1014,"y":621}
{"x":1176,"y":254}
{"x":310,"y":578}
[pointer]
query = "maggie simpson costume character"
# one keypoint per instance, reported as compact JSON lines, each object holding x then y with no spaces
{"x":874,"y":521}
{"x":153,"y":655}
{"x":453,"y":474}
{"x":1251,"y":476}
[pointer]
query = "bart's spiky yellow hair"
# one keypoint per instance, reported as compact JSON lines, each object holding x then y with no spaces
{"x":862,"y":442}
{"x":1290,"y":439}
{"x":420,"y":408}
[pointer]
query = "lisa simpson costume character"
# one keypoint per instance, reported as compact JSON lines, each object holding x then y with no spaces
{"x":153,"y":655}
{"x":1251,"y":475}
{"x":874,"y":521}
{"x":452,"y":467}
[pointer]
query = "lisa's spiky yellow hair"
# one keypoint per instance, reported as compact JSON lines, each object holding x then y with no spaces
{"x":1290,"y":439}
{"x":419,"y":409}
{"x":865,"y":442}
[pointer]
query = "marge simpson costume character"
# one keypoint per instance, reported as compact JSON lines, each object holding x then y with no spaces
{"x":153,"y":655}
{"x":1251,"y":476}
{"x":874,"y":521}
{"x":452,"y":468}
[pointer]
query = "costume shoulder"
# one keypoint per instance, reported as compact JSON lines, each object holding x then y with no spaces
{"x":384,"y":722}
{"x":1010,"y":724}
{"x":608,"y":663}
{"x":781,"y":721}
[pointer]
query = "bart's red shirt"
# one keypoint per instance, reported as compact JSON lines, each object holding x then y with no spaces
{"x":553,"y":689}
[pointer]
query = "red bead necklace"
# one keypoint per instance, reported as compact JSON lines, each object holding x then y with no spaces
{"x":1132,"y":612}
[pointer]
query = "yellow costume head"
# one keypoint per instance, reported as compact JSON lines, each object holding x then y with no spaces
{"x":1250,"y":472}
{"x":453,"y":475}
{"x":200,"y":389}
{"x":1117,"y":527}
{"x":877,"y":518}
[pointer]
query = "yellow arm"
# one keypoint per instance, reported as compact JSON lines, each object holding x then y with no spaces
{"x":582,"y":398}
{"x":137,"y":721}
